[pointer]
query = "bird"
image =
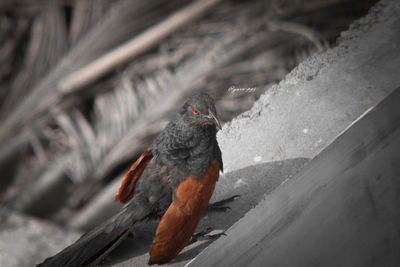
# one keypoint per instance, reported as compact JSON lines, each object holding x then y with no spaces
{"x":173,"y":180}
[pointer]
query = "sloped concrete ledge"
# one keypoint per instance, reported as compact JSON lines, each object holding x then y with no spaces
{"x":342,"y":209}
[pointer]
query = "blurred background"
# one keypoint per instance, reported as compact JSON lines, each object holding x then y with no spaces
{"x":85,"y":85}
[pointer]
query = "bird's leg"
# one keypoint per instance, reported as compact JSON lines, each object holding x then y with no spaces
{"x":204,"y":235}
{"x":217,"y":206}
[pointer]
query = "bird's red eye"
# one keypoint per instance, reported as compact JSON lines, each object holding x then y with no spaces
{"x":195,"y":112}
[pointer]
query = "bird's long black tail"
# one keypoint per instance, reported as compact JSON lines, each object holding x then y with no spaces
{"x":93,"y":246}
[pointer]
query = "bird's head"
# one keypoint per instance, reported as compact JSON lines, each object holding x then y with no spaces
{"x":199,"y":109}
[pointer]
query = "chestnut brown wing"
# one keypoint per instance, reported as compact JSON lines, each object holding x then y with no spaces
{"x":130,"y":181}
{"x":180,"y":220}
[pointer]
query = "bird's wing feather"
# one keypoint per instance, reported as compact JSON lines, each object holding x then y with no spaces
{"x":180,"y":220}
{"x":130,"y":181}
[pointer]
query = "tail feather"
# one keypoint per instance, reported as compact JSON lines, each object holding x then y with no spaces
{"x":95,"y":245}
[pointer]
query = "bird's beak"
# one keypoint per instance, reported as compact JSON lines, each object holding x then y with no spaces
{"x":215,"y":119}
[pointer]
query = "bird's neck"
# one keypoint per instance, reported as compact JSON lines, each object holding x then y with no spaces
{"x":189,"y":147}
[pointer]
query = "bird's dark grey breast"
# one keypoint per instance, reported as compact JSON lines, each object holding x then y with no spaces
{"x":189,"y":148}
{"x":157,"y":186}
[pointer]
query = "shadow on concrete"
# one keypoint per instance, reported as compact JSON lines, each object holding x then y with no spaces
{"x":251,"y":183}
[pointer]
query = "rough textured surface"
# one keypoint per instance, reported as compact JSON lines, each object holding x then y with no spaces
{"x":321,"y":97}
{"x":25,"y":241}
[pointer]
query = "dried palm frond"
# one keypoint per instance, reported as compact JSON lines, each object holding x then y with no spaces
{"x":47,"y":45}
{"x":38,"y":93}
{"x":124,"y":19}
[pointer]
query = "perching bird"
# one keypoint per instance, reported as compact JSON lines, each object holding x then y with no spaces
{"x":174,"y":178}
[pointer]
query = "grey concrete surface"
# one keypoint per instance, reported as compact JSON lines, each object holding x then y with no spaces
{"x":342,"y":209}
{"x":323,"y":95}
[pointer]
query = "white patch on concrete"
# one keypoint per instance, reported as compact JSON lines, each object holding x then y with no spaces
{"x":284,"y":181}
{"x":318,"y":142}
{"x":239,"y":183}
{"x":187,"y":264}
{"x":257,"y":159}
{"x":305,"y":130}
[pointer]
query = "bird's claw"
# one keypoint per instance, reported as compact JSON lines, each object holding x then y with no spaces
{"x":217,"y":206}
{"x":204,"y":235}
